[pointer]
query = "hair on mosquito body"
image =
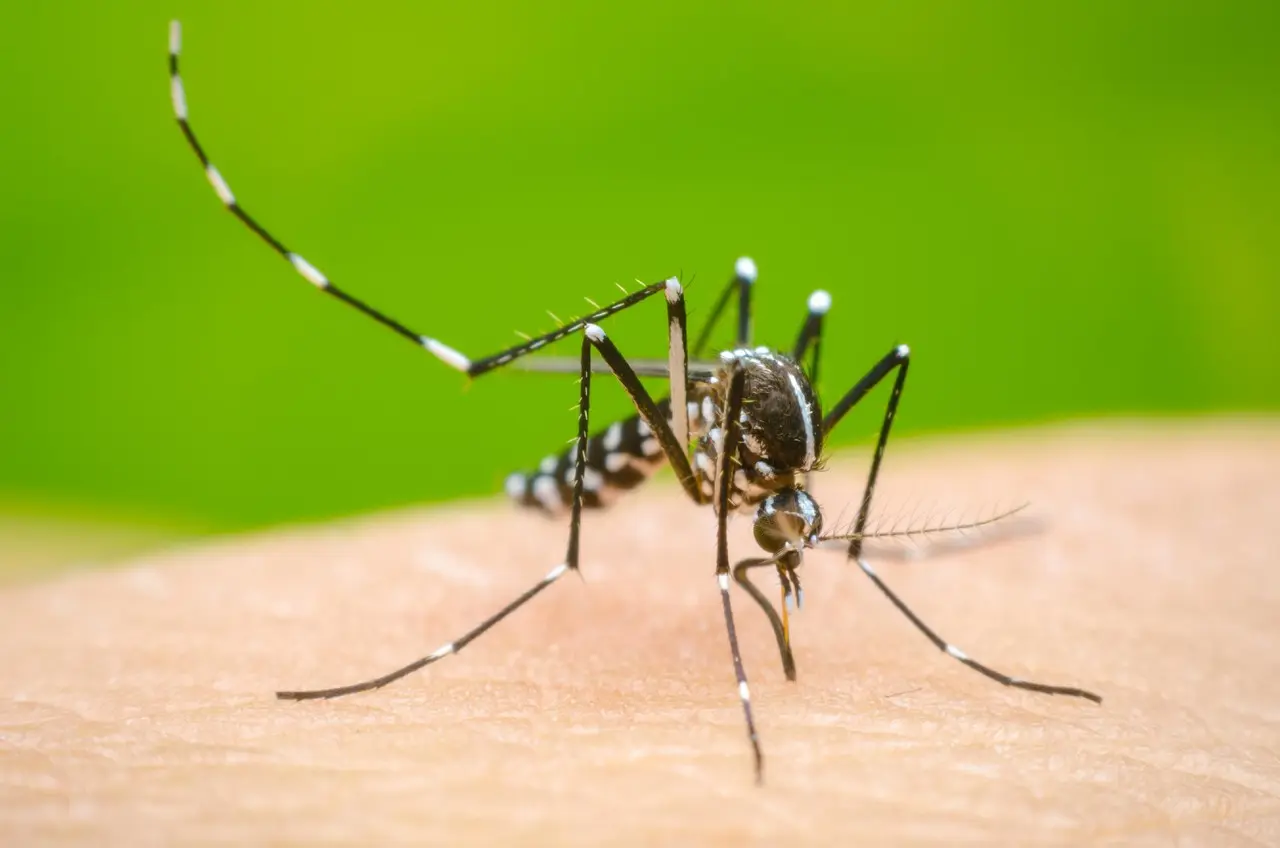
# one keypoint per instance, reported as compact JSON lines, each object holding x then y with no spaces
{"x":743,"y":430}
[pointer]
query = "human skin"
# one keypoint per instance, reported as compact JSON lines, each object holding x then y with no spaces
{"x":136,"y":704}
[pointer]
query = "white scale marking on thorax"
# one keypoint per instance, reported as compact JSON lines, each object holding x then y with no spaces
{"x":807,"y":414}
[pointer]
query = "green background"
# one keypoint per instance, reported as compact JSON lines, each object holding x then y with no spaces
{"x":1067,"y":209}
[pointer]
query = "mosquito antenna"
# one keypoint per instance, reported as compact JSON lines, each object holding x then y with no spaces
{"x":911,"y":531}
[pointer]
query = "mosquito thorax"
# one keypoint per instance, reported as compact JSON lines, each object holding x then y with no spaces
{"x":781,"y":425}
{"x":781,"y":419}
{"x":787,"y":520}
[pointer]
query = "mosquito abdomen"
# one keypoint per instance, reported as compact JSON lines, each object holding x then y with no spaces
{"x":619,"y":457}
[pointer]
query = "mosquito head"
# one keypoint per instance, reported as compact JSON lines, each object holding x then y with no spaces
{"x":787,"y":520}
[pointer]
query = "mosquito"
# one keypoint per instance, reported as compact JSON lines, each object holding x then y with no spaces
{"x":743,"y":432}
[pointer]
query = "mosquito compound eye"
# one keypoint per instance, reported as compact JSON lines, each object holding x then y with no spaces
{"x":788,"y":518}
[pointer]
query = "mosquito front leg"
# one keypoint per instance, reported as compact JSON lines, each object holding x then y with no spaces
{"x":732,"y":437}
{"x":955,"y":653}
{"x":898,"y":358}
{"x":677,"y":455}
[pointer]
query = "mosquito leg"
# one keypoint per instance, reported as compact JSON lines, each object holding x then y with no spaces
{"x":953,"y":651}
{"x":446,"y":354}
{"x":897,"y":358}
{"x":810,"y":338}
{"x":580,"y":465}
{"x":775,"y":620}
{"x":677,"y":455}
{"x":810,"y":341}
{"x":570,"y":564}
{"x":440,"y":653}
{"x":744,"y":277}
{"x":678,"y":364}
{"x":662,"y":431}
{"x":728,"y":456}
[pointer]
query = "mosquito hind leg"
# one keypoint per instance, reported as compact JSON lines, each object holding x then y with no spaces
{"x":810,"y":339}
{"x":744,"y":278}
{"x":810,"y":342}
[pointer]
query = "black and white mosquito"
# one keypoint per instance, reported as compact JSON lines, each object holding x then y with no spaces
{"x":742,"y":431}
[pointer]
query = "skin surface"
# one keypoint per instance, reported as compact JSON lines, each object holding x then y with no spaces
{"x":136,"y":704}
